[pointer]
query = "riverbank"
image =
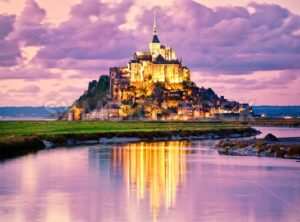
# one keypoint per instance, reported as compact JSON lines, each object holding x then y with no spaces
{"x":270,"y":146}
{"x":20,"y":137}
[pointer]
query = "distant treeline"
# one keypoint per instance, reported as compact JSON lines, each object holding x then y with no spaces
{"x":29,"y":111}
{"x":277,"y":111}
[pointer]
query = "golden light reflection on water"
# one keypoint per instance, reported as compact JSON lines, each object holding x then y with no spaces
{"x":159,"y":168}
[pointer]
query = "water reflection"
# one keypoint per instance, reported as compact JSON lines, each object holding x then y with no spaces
{"x":148,"y":182}
{"x":159,"y":168}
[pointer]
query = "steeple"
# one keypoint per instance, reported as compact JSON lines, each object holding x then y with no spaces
{"x":155,"y":37}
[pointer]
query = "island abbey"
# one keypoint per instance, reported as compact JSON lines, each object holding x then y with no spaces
{"x":154,"y":85}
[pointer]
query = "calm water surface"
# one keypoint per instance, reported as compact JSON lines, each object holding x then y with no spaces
{"x":158,"y":181}
{"x":279,"y":131}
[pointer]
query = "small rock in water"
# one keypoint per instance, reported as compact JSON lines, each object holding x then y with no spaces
{"x":71,"y":142}
{"x":271,"y":137}
{"x":48,"y":144}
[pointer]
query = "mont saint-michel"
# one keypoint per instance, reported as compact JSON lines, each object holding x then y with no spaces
{"x":111,"y":113}
{"x":154,"y":85}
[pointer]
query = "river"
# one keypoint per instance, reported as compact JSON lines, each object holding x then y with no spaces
{"x":149,"y":181}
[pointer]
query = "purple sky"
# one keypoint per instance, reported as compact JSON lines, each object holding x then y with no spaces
{"x":248,"y":52}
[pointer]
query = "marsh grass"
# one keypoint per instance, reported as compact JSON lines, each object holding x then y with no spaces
{"x":16,"y":129}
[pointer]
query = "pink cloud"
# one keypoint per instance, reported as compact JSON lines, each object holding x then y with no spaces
{"x":29,"y":27}
{"x":275,"y":81}
{"x":6,"y":24}
{"x":10,"y":51}
{"x":72,"y":89}
{"x":28,"y":74}
{"x":27,"y":89}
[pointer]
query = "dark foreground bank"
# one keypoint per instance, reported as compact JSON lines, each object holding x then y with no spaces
{"x":18,"y":138}
{"x":270,"y":146}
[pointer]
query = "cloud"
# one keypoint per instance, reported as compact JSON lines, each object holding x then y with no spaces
{"x":9,"y":49}
{"x":55,"y":99}
{"x":6,"y":24}
{"x":279,"y":80}
{"x":71,"y":89}
{"x":284,"y":78}
{"x":84,"y":66}
{"x":27,"y":74}
{"x":29,"y":27}
{"x":27,"y":89}
{"x":99,"y":39}
{"x":9,"y":53}
{"x":269,"y":15}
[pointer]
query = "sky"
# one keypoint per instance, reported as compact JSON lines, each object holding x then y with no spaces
{"x":248,"y":51}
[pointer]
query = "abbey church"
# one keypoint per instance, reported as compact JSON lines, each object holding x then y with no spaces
{"x":158,"y":64}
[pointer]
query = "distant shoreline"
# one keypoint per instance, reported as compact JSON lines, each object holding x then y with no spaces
{"x":27,"y":119}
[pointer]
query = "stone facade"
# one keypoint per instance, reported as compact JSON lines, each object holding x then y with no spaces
{"x":103,"y":114}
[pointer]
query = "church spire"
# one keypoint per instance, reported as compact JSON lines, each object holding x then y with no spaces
{"x":154,"y":25}
{"x":155,"y":37}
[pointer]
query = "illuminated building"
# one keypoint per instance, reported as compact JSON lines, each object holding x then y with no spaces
{"x":75,"y":113}
{"x":158,"y":64}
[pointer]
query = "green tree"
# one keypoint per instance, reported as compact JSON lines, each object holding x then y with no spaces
{"x":95,"y":95}
{"x":103,"y":83}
